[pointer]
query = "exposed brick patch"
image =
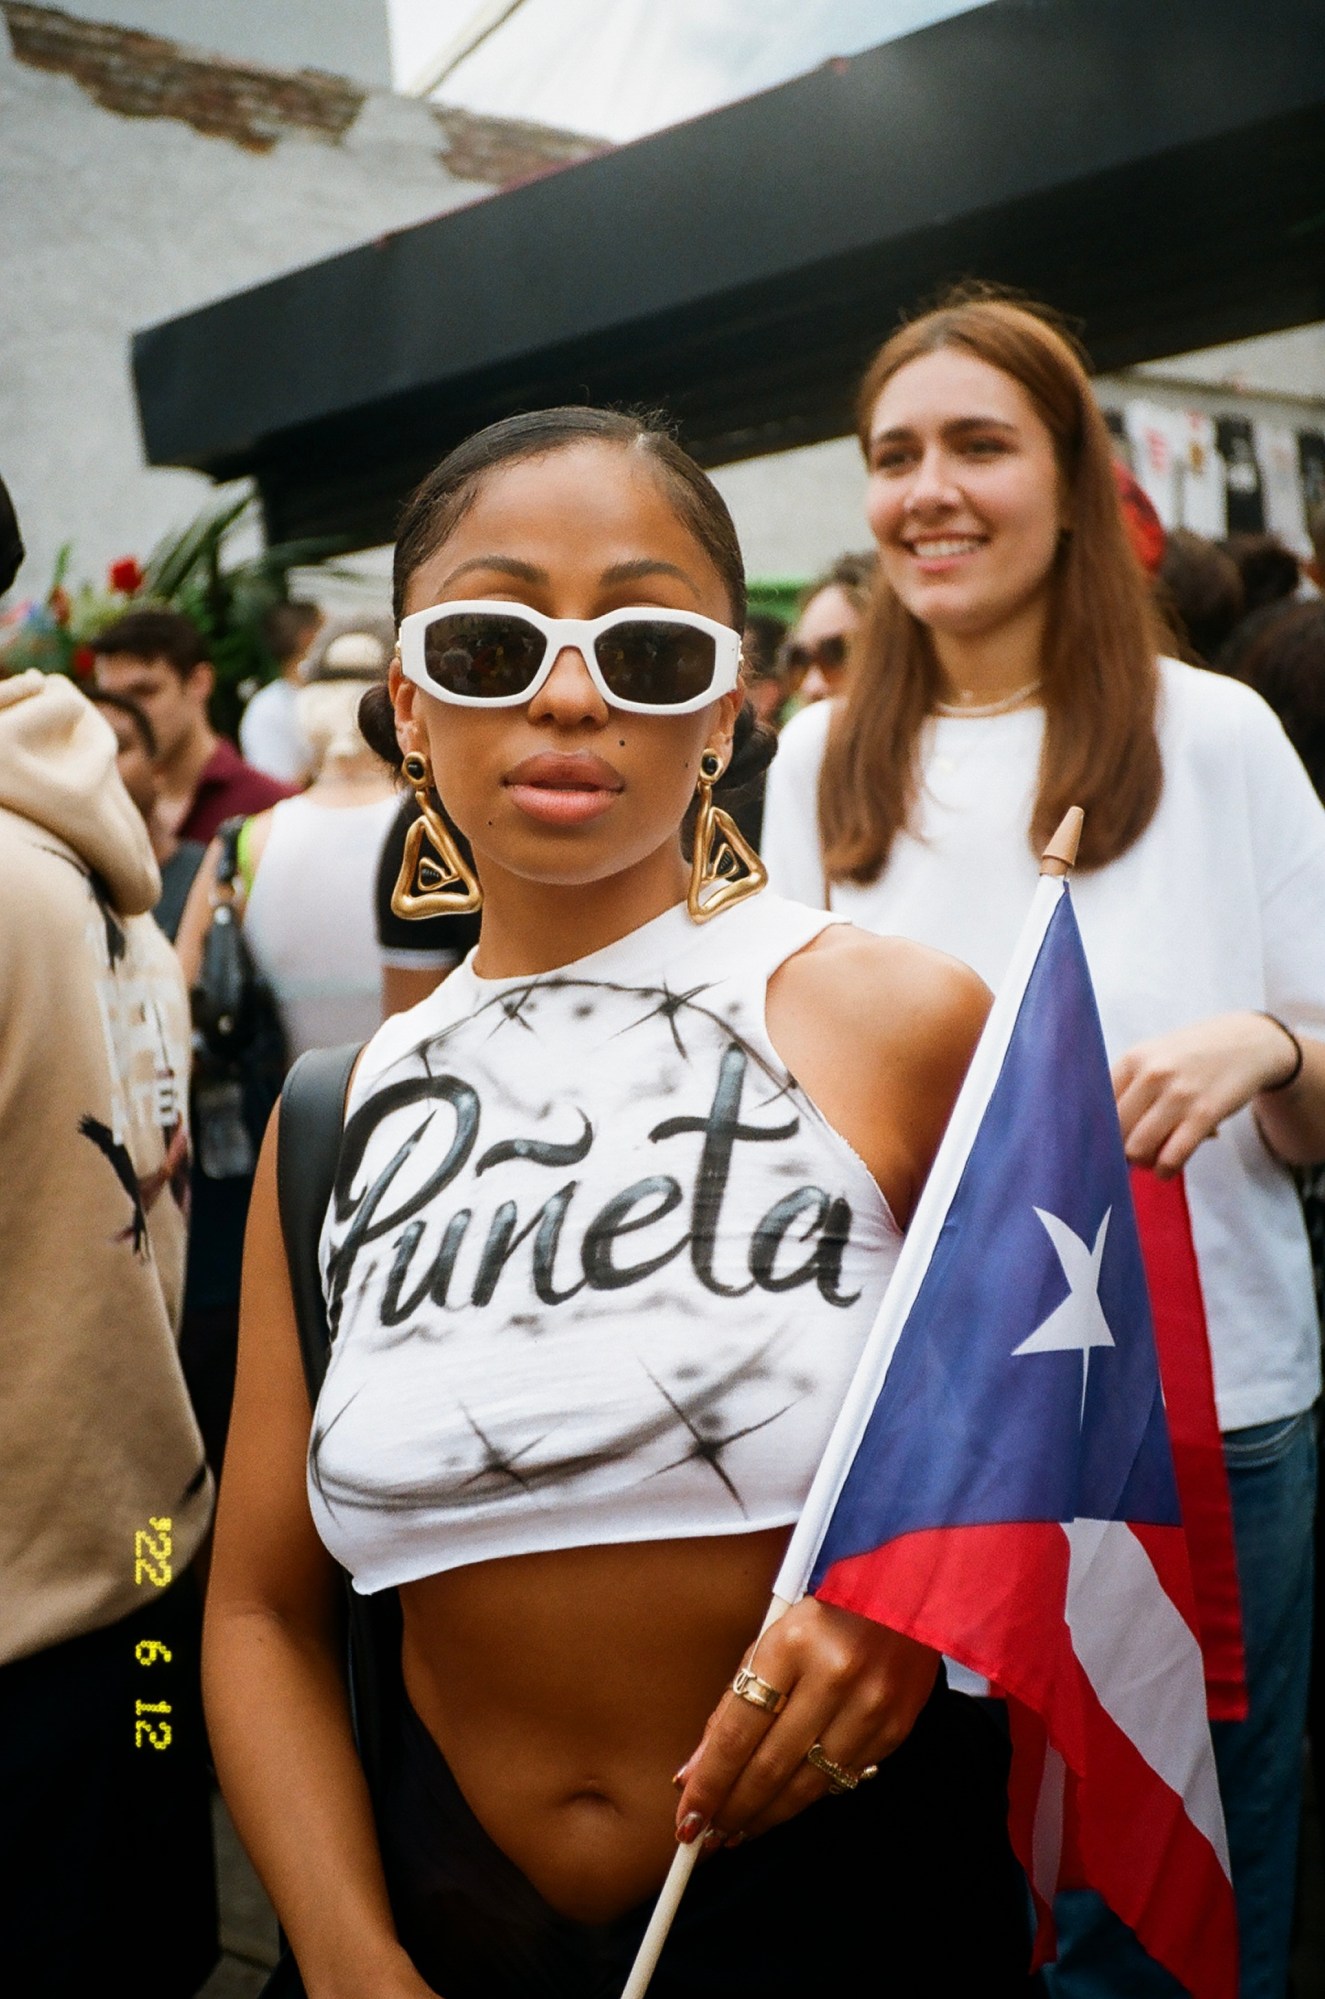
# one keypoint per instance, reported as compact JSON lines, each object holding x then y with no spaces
{"x":146,"y":76}
{"x":502,"y":151}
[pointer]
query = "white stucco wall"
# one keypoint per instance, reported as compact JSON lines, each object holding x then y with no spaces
{"x":797,"y":511}
{"x":110,"y":223}
{"x":1290,"y":364}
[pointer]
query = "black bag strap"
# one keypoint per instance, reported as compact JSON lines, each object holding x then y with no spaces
{"x":227,"y":858}
{"x":307,"y":1153}
{"x":307,"y":1150}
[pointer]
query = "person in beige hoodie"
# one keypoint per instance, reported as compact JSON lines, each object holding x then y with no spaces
{"x":104,"y":1490}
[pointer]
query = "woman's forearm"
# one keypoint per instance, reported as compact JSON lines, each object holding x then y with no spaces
{"x":1175,"y":1091}
{"x":279,"y":1725}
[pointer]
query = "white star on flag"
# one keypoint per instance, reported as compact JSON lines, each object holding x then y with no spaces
{"x":1078,"y":1324}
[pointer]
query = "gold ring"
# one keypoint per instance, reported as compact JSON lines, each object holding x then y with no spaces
{"x":748,"y":1686}
{"x":840,"y":1779}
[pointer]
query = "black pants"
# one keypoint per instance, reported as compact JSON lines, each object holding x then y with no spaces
{"x":106,"y":1869}
{"x":905,"y":1887}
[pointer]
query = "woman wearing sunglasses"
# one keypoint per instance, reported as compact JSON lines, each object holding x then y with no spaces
{"x":815,"y":654}
{"x":615,"y":1209}
{"x":1010,"y":667}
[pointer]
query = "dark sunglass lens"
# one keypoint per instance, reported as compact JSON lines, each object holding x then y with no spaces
{"x":658,"y":665}
{"x":482,"y":655}
{"x":833,"y":652}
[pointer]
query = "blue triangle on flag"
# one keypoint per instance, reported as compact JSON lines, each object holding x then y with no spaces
{"x":1039,"y":1252}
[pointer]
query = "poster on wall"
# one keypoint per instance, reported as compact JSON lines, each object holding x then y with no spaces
{"x":1175,"y":458}
{"x":1246,"y":503}
{"x":1281,"y":477}
{"x":1223,"y":475}
{"x":1311,"y":460}
{"x":1202,"y":504}
{"x":1153,"y":436}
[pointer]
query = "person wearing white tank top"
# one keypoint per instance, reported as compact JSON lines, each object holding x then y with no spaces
{"x":613,"y":1212}
{"x":308,"y":917}
{"x":308,"y":866}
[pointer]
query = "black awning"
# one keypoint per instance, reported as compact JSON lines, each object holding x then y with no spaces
{"x":1153,"y":167}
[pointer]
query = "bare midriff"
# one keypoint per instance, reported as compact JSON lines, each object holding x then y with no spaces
{"x":565,"y":1689}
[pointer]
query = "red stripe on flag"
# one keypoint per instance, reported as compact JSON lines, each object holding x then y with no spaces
{"x":1170,"y":1558}
{"x":1126,"y":1835}
{"x":993,"y":1597}
{"x":1183,"y":1345}
{"x":1140,"y":1850}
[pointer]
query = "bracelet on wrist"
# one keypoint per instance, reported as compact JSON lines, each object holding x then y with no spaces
{"x":1287,"y":1082}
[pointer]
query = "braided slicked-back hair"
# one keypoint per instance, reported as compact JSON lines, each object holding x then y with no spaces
{"x":441,"y":501}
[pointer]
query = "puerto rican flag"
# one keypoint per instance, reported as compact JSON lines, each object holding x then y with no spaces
{"x":1001,"y":1483}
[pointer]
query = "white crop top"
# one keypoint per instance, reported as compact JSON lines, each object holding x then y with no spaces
{"x":596,"y":1268}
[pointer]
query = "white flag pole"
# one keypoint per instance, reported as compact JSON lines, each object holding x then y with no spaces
{"x":876,"y":1356}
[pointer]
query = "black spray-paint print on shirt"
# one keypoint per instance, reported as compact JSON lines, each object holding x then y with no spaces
{"x":603,"y":1181}
{"x":141,"y":1190}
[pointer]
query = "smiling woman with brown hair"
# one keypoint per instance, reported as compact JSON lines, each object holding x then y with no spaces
{"x":1076,"y":635}
{"x":1010,"y":668}
{"x":614,"y":1211}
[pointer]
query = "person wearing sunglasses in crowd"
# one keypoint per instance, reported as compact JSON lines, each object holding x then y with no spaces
{"x":815,"y":654}
{"x":615,"y":1209}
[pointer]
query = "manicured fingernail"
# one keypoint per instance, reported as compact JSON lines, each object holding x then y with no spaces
{"x":689,"y":1827}
{"x":680,"y":1778}
{"x":734,"y":1839}
{"x":714,"y":1838}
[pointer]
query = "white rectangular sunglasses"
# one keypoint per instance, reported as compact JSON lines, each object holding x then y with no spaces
{"x":647,"y":660}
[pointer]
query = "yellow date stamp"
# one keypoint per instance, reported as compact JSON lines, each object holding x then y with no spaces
{"x":152,"y":1549}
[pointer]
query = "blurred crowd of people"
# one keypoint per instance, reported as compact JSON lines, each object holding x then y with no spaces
{"x":123,"y":1240}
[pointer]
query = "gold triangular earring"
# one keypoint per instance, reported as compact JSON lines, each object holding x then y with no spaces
{"x":724,"y":867}
{"x":437,"y":883}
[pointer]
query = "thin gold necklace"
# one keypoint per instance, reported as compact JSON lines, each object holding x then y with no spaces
{"x":1003,"y":707}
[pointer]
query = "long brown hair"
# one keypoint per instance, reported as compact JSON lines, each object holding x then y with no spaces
{"x":1099,"y":673}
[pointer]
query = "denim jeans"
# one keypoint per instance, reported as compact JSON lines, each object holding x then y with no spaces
{"x":1272,"y":1484}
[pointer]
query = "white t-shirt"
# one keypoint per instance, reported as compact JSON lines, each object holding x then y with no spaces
{"x":1219,"y":907}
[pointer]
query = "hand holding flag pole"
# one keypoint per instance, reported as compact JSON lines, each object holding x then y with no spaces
{"x":1054,"y":1566}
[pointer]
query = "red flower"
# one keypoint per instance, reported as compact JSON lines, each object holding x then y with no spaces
{"x":126,"y":576}
{"x":83,"y":659}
